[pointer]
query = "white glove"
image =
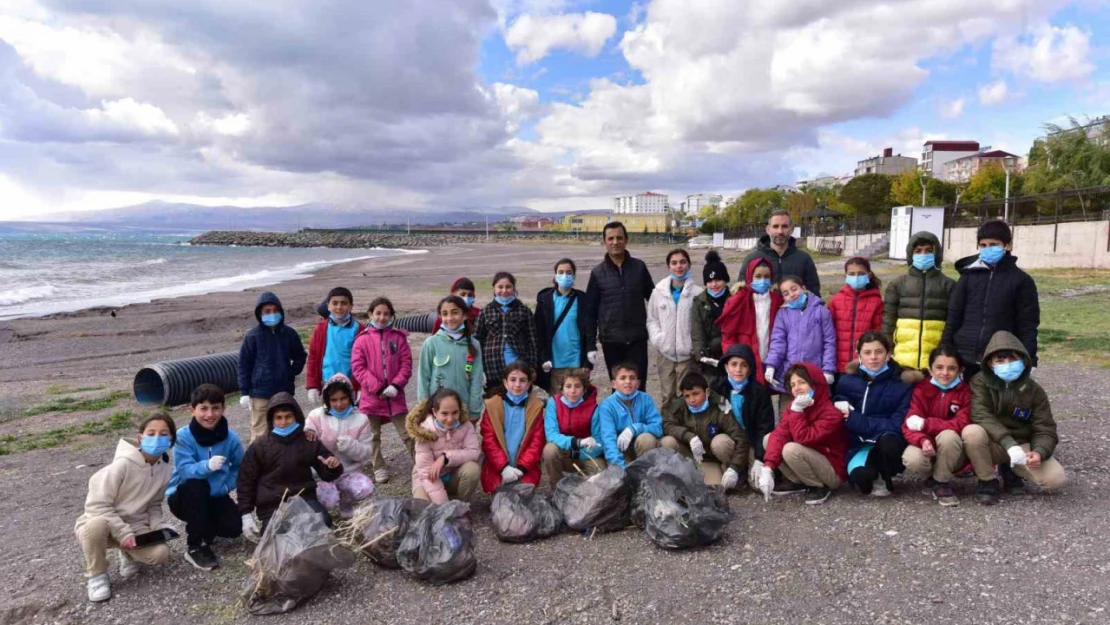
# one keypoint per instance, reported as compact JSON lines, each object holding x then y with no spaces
{"x":697,"y":448}
{"x":250,"y":528}
{"x":344,"y":442}
{"x":547,"y":367}
{"x":245,"y":401}
{"x":769,"y":374}
{"x":712,"y":362}
{"x":915,"y":423}
{"x":844,"y":407}
{"x":829,"y":378}
{"x":754,"y":472}
{"x":801,"y":402}
{"x":589,"y":443}
{"x":766,"y":482}
{"x":390,"y":392}
{"x":215,"y":463}
{"x":730,"y":478}
{"x":1017,"y":456}
{"x":624,"y":440}
{"x":314,"y":396}
{"x":510,"y":474}
{"x":358,"y":397}
{"x":592,"y":357}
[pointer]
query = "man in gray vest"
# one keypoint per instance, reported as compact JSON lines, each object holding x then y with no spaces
{"x":778,"y":247}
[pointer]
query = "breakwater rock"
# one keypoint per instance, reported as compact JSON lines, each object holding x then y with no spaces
{"x":355,"y":239}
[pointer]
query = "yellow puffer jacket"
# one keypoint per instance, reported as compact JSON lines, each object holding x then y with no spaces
{"x":915,"y":307}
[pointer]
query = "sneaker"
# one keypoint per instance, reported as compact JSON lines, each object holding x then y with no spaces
{"x":99,"y":589}
{"x":128,"y":567}
{"x":202,"y":558}
{"x":381,"y":476}
{"x":987,"y":493}
{"x":879,"y":488}
{"x":786,"y":487}
{"x":816,"y":495}
{"x":945,"y":494}
{"x":1012,"y":483}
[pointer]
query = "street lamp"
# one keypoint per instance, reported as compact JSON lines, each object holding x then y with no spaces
{"x":1007,"y":163}
{"x":923,"y":187}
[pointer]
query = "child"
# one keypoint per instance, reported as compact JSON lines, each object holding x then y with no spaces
{"x":447,"y":449}
{"x":628,"y":425}
{"x":382,"y":364}
{"x":708,"y":306}
{"x":940,"y":409}
{"x":670,"y":322}
{"x":1011,"y":423}
{"x":568,"y":423}
{"x":329,"y":351}
{"x":749,"y":403}
{"x":206,"y":461}
{"x":450,"y":358}
{"x":512,"y":431}
{"x":749,"y":316}
{"x":280,"y":465}
{"x":270,"y":359}
{"x":803,"y":332}
{"x":874,"y":400}
{"x":462,"y":288}
{"x":855,"y":309}
{"x":810,"y":443}
{"x":917,"y":303}
{"x":566,"y":335}
{"x":124,"y":501}
{"x":699,"y":420}
{"x":346,"y":433}
{"x":506,"y":331}
{"x":992,"y":295}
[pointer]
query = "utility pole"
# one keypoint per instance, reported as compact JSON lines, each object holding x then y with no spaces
{"x":1006,"y":210}
{"x":487,"y":228}
{"x":923,"y":188}
{"x":408,"y":226}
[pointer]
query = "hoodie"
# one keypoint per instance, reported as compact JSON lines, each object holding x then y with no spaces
{"x":990,"y":299}
{"x":916,"y":306}
{"x":355,"y":427}
{"x":443,"y":364}
{"x":381,"y":358}
{"x":682,"y":424}
{"x":757,"y":414}
{"x":459,"y":446}
{"x":741,"y":320}
{"x":270,"y":359}
{"x":793,"y":262}
{"x":128,"y":493}
{"x":671,"y":326}
{"x":1012,"y":413}
{"x":819,"y":427}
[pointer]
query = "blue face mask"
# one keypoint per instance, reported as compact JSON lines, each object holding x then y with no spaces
{"x":761,"y":285}
{"x":946,"y":387}
{"x":857,"y":282}
{"x":799,"y":303}
{"x":154,"y":445}
{"x":287,"y":430}
{"x":340,"y":320}
{"x":469,"y":301}
{"x":271,"y":319}
{"x":738,"y":386}
{"x":991,"y":255}
{"x":341,"y":415}
{"x":623,"y":396}
{"x":516,"y":399}
{"x":718,"y":292}
{"x":379,"y":326}
{"x":564,"y":280}
{"x":1009,"y":371}
{"x":681,"y":277}
{"x":699,"y":409}
{"x":439,"y":425}
{"x":874,"y":373}
{"x":505,"y":301}
{"x":924,"y":262}
{"x":570,"y":404}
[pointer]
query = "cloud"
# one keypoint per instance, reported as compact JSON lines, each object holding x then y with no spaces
{"x":995,"y":93}
{"x":951,"y":109}
{"x":536,"y":36}
{"x":1047,"y":54}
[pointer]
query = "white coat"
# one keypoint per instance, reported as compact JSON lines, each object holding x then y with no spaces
{"x":670,"y":327}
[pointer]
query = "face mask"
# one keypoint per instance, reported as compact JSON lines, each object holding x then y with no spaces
{"x":857,"y":282}
{"x":874,"y":373}
{"x":444,"y":427}
{"x":809,"y":393}
{"x":799,"y":303}
{"x":738,"y":386}
{"x":272,"y":319}
{"x":287,"y":430}
{"x":154,"y":445}
{"x":718,"y":292}
{"x":469,"y":301}
{"x":564,"y":280}
{"x":516,"y":399}
{"x":699,"y":409}
{"x":924,"y":262}
{"x":1009,"y":371}
{"x":342,"y":415}
{"x":682,"y":277}
{"x":761,"y":285}
{"x":453,"y":332}
{"x":991,"y":255}
{"x":570,"y":404}
{"x":623,"y":396}
{"x":380,"y":326}
{"x":340,"y":320}
{"x":946,"y":387}
{"x":505,"y":301}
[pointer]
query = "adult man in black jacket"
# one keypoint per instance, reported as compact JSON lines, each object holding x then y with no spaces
{"x":616,"y":302}
{"x":778,"y":247}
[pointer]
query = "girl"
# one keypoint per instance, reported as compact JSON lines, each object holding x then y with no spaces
{"x":329,"y":351}
{"x":506,"y":331}
{"x":450,"y":358}
{"x":803,"y":332}
{"x":856,"y":309}
{"x":125,"y":501}
{"x":749,"y":315}
{"x":512,"y":431}
{"x":382,"y":365}
{"x":670,"y":322}
{"x":347,"y":433}
{"x":809,"y":444}
{"x":749,"y":401}
{"x":940,"y":409}
{"x":568,"y":422}
{"x":708,"y":307}
{"x":447,"y":449}
{"x":463,"y":288}
{"x":566,"y":333}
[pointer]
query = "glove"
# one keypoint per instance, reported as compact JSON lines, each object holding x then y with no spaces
{"x":697,"y":448}
{"x":843,"y":406}
{"x":547,"y":367}
{"x":314,"y":396}
{"x":589,"y":443}
{"x":830,"y":378}
{"x":766,"y":482}
{"x":754,"y":472}
{"x":915,"y":423}
{"x":510,"y":474}
{"x":624,"y":440}
{"x":358,"y":397}
{"x":801,"y":402}
{"x":245,"y":401}
{"x":344,"y":442}
{"x":390,"y":392}
{"x":712,"y":362}
{"x":729,"y":479}
{"x":1017,"y":456}
{"x":592,"y":357}
{"x":215,"y":463}
{"x":769,"y":374}
{"x":250,"y":528}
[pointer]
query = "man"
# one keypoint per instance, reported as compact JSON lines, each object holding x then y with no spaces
{"x":616,"y":297}
{"x":778,"y":247}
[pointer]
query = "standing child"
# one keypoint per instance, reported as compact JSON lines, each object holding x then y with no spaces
{"x":917,"y":303}
{"x":698,"y":424}
{"x":346,"y":433}
{"x":855,"y":309}
{"x":568,"y":423}
{"x":708,"y":306}
{"x":749,"y":315}
{"x":506,"y":331}
{"x":463,"y":288}
{"x":749,"y":403}
{"x":670,"y":322}
{"x":628,"y":425}
{"x":329,"y":351}
{"x":450,"y":358}
{"x":803,"y":333}
{"x":270,"y":359}
{"x":206,"y":461}
{"x":940,"y":409}
{"x":382,"y":364}
{"x":512,"y":431}
{"x":447,"y":449}
{"x":566,"y":334}
{"x":124,"y":501}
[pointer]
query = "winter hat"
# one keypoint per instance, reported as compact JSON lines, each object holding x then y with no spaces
{"x":996,"y":229}
{"x":858,"y":260}
{"x":284,"y":400}
{"x":714,"y":269}
{"x":340,"y":291}
{"x":337,"y":382}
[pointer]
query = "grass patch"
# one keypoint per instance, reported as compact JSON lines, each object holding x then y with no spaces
{"x":74,"y":404}
{"x":118,"y":422}
{"x":1076,"y":327}
{"x":306,"y":335}
{"x":62,"y":389}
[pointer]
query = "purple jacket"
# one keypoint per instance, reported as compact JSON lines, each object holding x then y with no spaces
{"x":381,"y":358}
{"x":805,"y":335}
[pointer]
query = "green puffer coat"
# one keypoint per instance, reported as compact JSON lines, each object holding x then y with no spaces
{"x":1014,"y":413}
{"x":915,"y":307}
{"x":707,"y":336}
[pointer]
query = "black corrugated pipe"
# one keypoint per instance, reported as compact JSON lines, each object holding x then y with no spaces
{"x":416,"y":323}
{"x":171,"y":382}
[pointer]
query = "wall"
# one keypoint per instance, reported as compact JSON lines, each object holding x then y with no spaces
{"x":1078,"y":245}
{"x":852,"y":243}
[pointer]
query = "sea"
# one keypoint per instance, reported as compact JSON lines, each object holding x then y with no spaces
{"x":42,"y":273}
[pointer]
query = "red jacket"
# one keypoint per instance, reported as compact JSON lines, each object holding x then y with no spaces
{"x":493,"y":442}
{"x":314,"y":370}
{"x":853,"y":313}
{"x":737,"y":320}
{"x":942,"y":410}
{"x":820,"y":428}
{"x":471,"y":318}
{"x":380,"y":358}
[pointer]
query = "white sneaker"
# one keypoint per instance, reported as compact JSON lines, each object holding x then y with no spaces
{"x":99,"y":589}
{"x":128,"y":567}
{"x":381,"y":476}
{"x":879,"y":489}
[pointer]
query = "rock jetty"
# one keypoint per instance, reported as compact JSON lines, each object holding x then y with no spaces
{"x":354,"y":239}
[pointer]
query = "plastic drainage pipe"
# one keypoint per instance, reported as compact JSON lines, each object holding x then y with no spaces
{"x":416,"y":323}
{"x":171,"y":382}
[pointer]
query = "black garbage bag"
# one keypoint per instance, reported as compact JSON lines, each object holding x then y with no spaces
{"x":675,"y":507}
{"x":600,"y":501}
{"x":292,"y":560}
{"x":376,"y":529}
{"x":638,"y":469}
{"x":438,"y":546}
{"x":520,"y":514}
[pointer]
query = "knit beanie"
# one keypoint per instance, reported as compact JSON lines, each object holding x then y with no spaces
{"x":996,"y":229}
{"x":714,"y":269}
{"x":340,"y":291}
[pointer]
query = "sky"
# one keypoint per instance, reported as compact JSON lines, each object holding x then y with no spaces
{"x":548,"y":104}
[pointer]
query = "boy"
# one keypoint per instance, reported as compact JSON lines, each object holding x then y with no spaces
{"x":1011,"y":423}
{"x":992,"y":295}
{"x":329,"y":351}
{"x":699,"y":419}
{"x":628,"y":424}
{"x":916,"y":304}
{"x":206,"y":463}
{"x":270,"y":359}
{"x":463,"y":288}
{"x":749,"y":403}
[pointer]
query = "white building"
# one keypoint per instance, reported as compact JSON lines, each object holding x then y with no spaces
{"x":693,"y":203}
{"x":936,"y":153}
{"x":640,"y":204}
{"x":962,"y":169}
{"x":888,"y":164}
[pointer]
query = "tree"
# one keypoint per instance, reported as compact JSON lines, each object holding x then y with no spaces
{"x":754,"y":206}
{"x":1069,"y":158}
{"x":905,"y":190}
{"x":991,"y":178}
{"x":707,"y":211}
{"x":868,"y":194}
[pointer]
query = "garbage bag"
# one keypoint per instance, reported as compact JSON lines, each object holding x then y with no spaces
{"x":520,"y":514}
{"x":376,"y":529}
{"x":438,"y":546}
{"x":675,"y":507}
{"x":637,"y":469}
{"x":292,"y":560}
{"x":600,"y":501}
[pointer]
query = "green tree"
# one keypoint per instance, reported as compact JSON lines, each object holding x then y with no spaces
{"x":905,"y":190}
{"x":991,"y":178}
{"x":1069,"y":158}
{"x":754,"y":206}
{"x":868,"y":194}
{"x":707,"y":211}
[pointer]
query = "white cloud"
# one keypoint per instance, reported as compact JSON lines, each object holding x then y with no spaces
{"x":535,"y":36}
{"x":1047,"y":54}
{"x":232,"y":124}
{"x":127,"y":113}
{"x":517,"y":104}
{"x":994,"y":93}
{"x":951,"y":109}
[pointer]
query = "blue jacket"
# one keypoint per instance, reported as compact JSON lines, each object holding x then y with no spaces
{"x":613,"y":418}
{"x":190,"y":462}
{"x":879,"y":405}
{"x":270,"y":358}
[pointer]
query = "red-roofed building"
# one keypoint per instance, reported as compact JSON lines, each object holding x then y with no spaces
{"x":936,"y":153}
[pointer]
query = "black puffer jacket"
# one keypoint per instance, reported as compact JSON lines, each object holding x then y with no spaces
{"x":617,"y":300}
{"x":987,"y":300}
{"x":793,"y":262}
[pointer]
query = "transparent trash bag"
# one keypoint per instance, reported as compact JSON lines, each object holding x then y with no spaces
{"x":599,"y":502}
{"x":376,"y":529}
{"x":438,"y":547}
{"x":675,"y":507}
{"x":520,"y":514}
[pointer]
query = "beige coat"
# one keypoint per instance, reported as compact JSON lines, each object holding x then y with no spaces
{"x":128,"y":493}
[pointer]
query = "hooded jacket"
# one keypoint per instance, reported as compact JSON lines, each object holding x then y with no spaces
{"x":738,"y":320}
{"x":613,"y":417}
{"x":805,"y":335}
{"x":1014,"y":413}
{"x":564,"y":426}
{"x":793,"y":262}
{"x":819,"y":427}
{"x":917,"y":306}
{"x":757,"y":417}
{"x":459,"y":446}
{"x":706,"y":334}
{"x":670,"y":326}
{"x":127,"y":493}
{"x":190,"y":460}
{"x":853,"y":313}
{"x":381,"y":358}
{"x":529,"y":454}
{"x":683,"y":424}
{"x":545,"y":330}
{"x":270,"y":359}
{"x":443,"y":364}
{"x":318,"y":347}
{"x":355,"y":426}
{"x":989,"y":299}
{"x":517,"y":327}
{"x":615,"y":299}
{"x":879,"y":404}
{"x":942,"y":410}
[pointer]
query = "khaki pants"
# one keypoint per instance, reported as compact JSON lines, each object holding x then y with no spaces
{"x":719,"y":453}
{"x":640,"y":446}
{"x":463,"y":483}
{"x":670,"y":374}
{"x":983,"y":453}
{"x":96,"y":538}
{"x":259,"y":407}
{"x":803,"y":465}
{"x":376,"y":438}
{"x":949,"y":458}
{"x":557,"y":462}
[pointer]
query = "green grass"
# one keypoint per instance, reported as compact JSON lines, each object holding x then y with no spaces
{"x":62,"y":389}
{"x":118,"y":422}
{"x":74,"y":404}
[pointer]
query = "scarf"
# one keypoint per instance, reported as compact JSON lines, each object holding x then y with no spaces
{"x":205,"y":437}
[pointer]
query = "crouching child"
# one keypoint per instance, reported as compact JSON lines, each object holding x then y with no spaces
{"x":347,"y":434}
{"x":699,"y":425}
{"x":940,"y":409}
{"x":628,"y":424}
{"x":512,"y":430}
{"x":447,"y":448}
{"x":568,"y":421}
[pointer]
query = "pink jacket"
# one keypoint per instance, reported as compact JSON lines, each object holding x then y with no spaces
{"x":380,"y":358}
{"x":357,"y":448}
{"x":459,"y":445}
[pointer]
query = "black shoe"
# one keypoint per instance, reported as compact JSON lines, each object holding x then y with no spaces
{"x":987,"y":493}
{"x":786,"y":487}
{"x":945,"y":494}
{"x":1012,"y":483}
{"x":202,"y":558}
{"x":816,"y":495}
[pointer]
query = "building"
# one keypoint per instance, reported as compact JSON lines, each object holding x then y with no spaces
{"x":693,"y":203}
{"x":635,"y":224}
{"x":1098,"y":130}
{"x":646,"y":203}
{"x":936,"y":153}
{"x":887,"y":164}
{"x":962,"y":169}
{"x":824,"y":181}
{"x":584,"y":222}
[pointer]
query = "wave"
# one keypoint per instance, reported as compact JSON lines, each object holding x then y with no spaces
{"x":156,"y":261}
{"x":20,"y":295}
